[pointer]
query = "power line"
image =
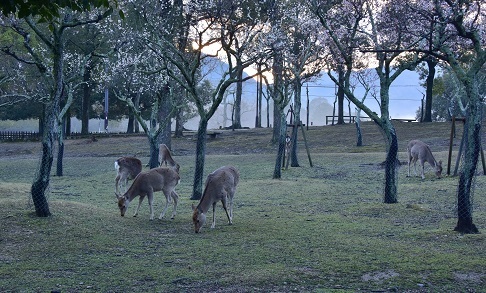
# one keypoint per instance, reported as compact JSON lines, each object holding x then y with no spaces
{"x":376,"y":86}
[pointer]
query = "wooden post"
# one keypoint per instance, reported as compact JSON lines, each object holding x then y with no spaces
{"x":306,"y":146}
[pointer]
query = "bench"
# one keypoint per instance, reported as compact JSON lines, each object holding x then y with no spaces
{"x":350,"y":119}
{"x":213,"y":135}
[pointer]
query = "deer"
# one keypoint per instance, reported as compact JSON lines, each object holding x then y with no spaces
{"x":127,"y":168}
{"x":145,"y":184}
{"x":165,"y":157}
{"x":220,"y":186}
{"x":419,"y":151}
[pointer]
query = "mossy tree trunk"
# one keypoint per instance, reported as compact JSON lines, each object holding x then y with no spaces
{"x":472,"y":148}
{"x":200,"y":159}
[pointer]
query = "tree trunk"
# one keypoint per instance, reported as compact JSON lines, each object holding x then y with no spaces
{"x":86,"y":103}
{"x":258,"y":114}
{"x":165,"y":112}
{"x":154,"y":151}
{"x":294,"y":161}
{"x":472,"y":148}
{"x":359,"y":135}
{"x":200,"y":157}
{"x":41,"y":182}
{"x":131,"y":121}
{"x":237,"y":106}
{"x":340,"y":97}
{"x":431,"y":63}
{"x":60,"y":156}
{"x":179,"y":127}
{"x":277,"y":123}
{"x":390,"y":194}
{"x":42,"y":179}
{"x":67,"y":127}
{"x":277,"y":172}
{"x":60,"y":149}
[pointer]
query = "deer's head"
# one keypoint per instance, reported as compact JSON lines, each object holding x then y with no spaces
{"x":198,"y":218}
{"x":122,"y":204}
{"x":438,"y":169}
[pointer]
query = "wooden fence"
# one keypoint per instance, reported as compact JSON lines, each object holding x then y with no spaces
{"x":33,"y":136}
{"x":18,"y":135}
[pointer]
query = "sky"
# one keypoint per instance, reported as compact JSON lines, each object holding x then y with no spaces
{"x":405,"y":94}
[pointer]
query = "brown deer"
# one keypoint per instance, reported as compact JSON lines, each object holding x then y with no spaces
{"x":165,"y":157}
{"x":418,"y":150}
{"x":220,"y":186}
{"x":127,"y":168}
{"x":145,"y":184}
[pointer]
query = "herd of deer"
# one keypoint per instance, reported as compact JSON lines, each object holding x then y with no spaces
{"x":220,"y":185}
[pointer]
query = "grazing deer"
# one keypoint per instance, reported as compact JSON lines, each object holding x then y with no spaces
{"x":165,"y":157}
{"x":127,"y":168}
{"x":220,"y":185}
{"x":417,"y":150}
{"x":145,"y":184}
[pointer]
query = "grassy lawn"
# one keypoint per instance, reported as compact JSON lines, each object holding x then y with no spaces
{"x":319,"y":229}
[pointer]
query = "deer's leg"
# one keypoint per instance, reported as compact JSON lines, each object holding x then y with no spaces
{"x":139,"y":204}
{"x":223,"y":201}
{"x":423,"y":167}
{"x":175,"y":196}
{"x":214,"y":216}
{"x":409,"y":162}
{"x":151,"y":204}
{"x":415,"y":167}
{"x":167,"y":201}
{"x":231,"y":207}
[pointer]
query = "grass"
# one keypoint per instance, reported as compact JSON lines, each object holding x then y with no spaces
{"x":317,"y":229}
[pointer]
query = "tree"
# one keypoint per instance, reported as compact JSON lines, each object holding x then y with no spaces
{"x":211,"y":24}
{"x":449,"y":95}
{"x":134,"y":75}
{"x":429,"y":85}
{"x":303,"y":61}
{"x":248,"y":16}
{"x":20,"y":86}
{"x":460,"y":41}
{"x":373,"y":28}
{"x":49,"y":10}
{"x":51,"y":66}
{"x":278,"y":91}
